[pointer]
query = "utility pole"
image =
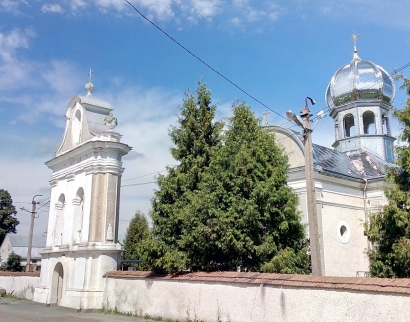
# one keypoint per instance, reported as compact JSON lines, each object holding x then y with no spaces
{"x":30,"y":238}
{"x":311,"y":193}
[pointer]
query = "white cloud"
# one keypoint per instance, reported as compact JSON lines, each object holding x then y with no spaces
{"x":77,"y":4}
{"x":53,"y":8}
{"x":160,"y":9}
{"x":236,"y":21}
{"x":15,"y":39}
{"x":61,"y":77}
{"x":240,"y":3}
{"x":11,"y":5}
{"x":206,"y":8}
{"x":107,"y":4}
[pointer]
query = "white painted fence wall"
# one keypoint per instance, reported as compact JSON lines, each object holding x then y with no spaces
{"x":20,"y":284}
{"x":227,"y":299}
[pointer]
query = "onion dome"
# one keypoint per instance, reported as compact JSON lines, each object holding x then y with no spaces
{"x":360,"y":80}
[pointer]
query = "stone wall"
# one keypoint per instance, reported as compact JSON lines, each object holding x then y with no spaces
{"x":20,"y":284}
{"x":256,"y":297}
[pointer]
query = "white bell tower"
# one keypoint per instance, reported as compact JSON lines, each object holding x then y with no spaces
{"x":82,"y":236}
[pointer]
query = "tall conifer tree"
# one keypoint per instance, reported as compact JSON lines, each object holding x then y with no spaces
{"x":389,"y":230}
{"x":244,"y":214}
{"x":137,"y":236}
{"x":195,"y":138}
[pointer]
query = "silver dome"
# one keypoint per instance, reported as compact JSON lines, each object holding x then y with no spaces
{"x":359,"y":80}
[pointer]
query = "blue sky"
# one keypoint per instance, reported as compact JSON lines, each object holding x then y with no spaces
{"x":279,"y":52}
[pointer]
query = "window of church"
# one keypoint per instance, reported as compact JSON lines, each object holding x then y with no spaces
{"x":343,"y":231}
{"x":78,"y":212}
{"x":369,"y":125}
{"x":349,"y":126}
{"x":59,"y":218}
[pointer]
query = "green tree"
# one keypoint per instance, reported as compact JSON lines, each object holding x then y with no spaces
{"x":8,"y":221}
{"x":389,"y":230}
{"x":244,"y":214}
{"x":195,"y":138}
{"x":227,"y":203}
{"x":137,"y":235}
{"x":13,"y":263}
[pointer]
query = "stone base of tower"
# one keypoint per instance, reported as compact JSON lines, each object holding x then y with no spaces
{"x":74,"y":278}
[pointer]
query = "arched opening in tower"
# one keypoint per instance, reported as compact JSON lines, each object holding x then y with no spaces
{"x":349,"y":126}
{"x":369,"y":125}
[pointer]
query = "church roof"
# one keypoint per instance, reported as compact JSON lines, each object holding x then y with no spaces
{"x":355,"y":165}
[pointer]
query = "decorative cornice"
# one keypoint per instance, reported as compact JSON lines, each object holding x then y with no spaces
{"x":82,"y":152}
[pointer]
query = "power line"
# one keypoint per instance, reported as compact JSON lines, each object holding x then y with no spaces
{"x":139,"y":184}
{"x":146,"y":175}
{"x":202,"y":61}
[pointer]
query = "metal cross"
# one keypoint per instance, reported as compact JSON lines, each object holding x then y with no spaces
{"x":266,"y":116}
{"x":354,"y":39}
{"x":89,"y":75}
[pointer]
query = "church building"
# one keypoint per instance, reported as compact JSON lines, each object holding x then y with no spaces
{"x":350,"y":178}
{"x":82,"y":239}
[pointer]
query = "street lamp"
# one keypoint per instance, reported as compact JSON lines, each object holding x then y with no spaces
{"x":30,"y":238}
{"x":304,"y":122}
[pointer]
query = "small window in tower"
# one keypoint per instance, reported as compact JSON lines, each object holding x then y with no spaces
{"x":349,"y":126}
{"x":369,"y":126}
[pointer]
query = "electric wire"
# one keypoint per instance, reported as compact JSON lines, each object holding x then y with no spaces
{"x":139,"y":184}
{"x":146,"y":175}
{"x":202,"y":61}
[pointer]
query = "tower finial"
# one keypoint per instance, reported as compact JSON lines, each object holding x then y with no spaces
{"x":354,"y":39}
{"x":89,"y":87}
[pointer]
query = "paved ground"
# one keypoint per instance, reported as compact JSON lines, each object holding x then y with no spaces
{"x":16,"y":310}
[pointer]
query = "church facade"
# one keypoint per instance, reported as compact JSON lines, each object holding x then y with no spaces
{"x":350,"y":178}
{"x":82,"y":239}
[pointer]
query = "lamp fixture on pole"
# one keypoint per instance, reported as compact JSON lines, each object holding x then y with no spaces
{"x":304,"y":122}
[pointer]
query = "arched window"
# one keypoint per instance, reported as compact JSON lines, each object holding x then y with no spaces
{"x":369,"y":126}
{"x":349,"y":126}
{"x":59,"y":216}
{"x":78,"y":205}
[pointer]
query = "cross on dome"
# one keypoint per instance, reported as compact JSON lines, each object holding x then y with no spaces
{"x":89,"y":75}
{"x":266,"y":116}
{"x":354,"y":39}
